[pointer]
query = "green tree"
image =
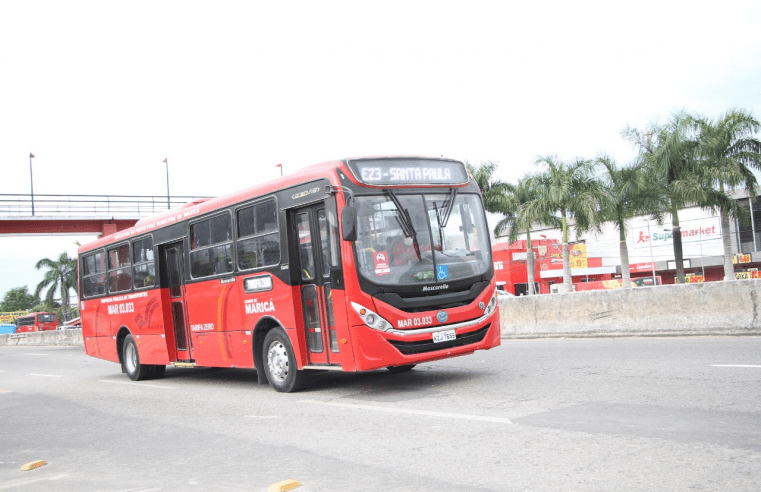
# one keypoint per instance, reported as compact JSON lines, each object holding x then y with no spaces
{"x":522,"y":208}
{"x":669,"y":154}
{"x":492,"y":190}
{"x":517,"y":204}
{"x":569,"y":190}
{"x":728,"y":154}
{"x":18,"y":299}
{"x":628,"y":196}
{"x":61,"y":276}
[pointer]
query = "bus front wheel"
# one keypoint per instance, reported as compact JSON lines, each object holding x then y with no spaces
{"x":280,"y":362}
{"x":400,"y":369}
{"x":132,"y":366}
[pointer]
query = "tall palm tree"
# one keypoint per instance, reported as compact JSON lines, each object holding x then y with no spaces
{"x":728,"y":153}
{"x":522,"y":208}
{"x":60,"y":276}
{"x":492,"y":190}
{"x":669,"y":155}
{"x":629,"y":196}
{"x":570,"y":191}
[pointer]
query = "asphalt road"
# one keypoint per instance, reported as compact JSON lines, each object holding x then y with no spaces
{"x":571,"y":415}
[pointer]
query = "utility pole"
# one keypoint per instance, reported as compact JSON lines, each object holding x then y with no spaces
{"x":31,"y":179}
{"x":166,"y":161}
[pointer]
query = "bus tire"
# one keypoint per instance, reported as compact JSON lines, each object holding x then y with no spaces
{"x":280,"y":362}
{"x":131,"y":360}
{"x":157,"y":372}
{"x":400,"y":369}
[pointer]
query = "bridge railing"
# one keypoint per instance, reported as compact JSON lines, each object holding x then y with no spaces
{"x":17,"y":205}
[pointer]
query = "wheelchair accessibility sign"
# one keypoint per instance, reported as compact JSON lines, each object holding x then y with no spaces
{"x":442,"y":272}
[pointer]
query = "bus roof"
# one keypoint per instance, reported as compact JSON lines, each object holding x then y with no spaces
{"x":200,"y":207}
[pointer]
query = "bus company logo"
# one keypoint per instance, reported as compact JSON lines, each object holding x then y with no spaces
{"x":253,"y":307}
{"x":429,"y":288}
{"x":442,"y":316}
{"x":296,"y":196}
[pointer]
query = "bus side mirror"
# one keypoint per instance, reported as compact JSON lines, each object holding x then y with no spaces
{"x":349,"y":223}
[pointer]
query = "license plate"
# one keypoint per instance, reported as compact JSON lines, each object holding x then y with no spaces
{"x":443,"y":336}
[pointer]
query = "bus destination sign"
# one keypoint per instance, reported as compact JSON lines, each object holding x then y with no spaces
{"x":408,"y":171}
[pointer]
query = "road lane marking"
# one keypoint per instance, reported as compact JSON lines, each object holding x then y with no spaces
{"x":46,"y":375}
{"x":410,"y":411}
{"x":736,"y":365}
{"x":263,"y":416}
{"x":139,"y":385}
{"x":19,"y":484}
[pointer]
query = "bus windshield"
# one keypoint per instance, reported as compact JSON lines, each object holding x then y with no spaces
{"x":422,"y":238}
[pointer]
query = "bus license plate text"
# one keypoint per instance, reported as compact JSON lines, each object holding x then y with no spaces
{"x":443,"y":336}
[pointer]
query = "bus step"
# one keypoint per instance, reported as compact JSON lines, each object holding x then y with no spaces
{"x":184,"y":364}
{"x":324,"y":368}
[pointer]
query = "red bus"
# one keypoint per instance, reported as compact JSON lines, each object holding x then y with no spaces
{"x":349,"y":265}
{"x":37,"y":322}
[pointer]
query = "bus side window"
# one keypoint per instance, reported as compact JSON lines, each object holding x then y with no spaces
{"x":94,"y":274}
{"x":211,"y":246}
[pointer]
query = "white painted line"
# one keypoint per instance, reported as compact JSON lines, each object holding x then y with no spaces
{"x":736,"y":365}
{"x":263,"y":416}
{"x":21,"y":483}
{"x":139,"y":385}
{"x":46,"y":375}
{"x":409,"y":411}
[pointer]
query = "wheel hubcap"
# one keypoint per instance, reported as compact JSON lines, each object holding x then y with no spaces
{"x":130,"y":358}
{"x":277,"y":360}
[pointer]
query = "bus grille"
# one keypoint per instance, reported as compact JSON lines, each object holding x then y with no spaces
{"x":423,"y":346}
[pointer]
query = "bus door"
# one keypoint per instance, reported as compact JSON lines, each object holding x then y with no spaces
{"x":173,"y":262}
{"x":311,"y":233}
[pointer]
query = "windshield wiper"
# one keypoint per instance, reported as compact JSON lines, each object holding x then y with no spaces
{"x":442,"y":216}
{"x":405,"y":222}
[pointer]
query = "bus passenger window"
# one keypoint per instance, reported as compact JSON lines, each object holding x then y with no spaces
{"x":258,"y":240}
{"x":94,"y":274}
{"x":211,"y":247}
{"x":144,"y":268}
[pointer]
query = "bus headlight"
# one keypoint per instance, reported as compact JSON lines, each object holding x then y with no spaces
{"x":371,"y":319}
{"x":492,"y":306}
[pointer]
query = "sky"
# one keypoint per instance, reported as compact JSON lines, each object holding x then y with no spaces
{"x":103,"y":92}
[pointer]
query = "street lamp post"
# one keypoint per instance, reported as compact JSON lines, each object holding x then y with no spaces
{"x":650,"y":242}
{"x":700,"y":240}
{"x":31,"y":179}
{"x":166,"y":161}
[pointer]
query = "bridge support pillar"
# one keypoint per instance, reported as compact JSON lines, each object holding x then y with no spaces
{"x":108,"y":229}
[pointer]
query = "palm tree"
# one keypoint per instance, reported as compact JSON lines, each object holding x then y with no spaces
{"x":728,"y":153}
{"x":522,"y":208}
{"x":629,"y":196}
{"x":571,"y":191}
{"x":668,"y":155}
{"x":492,"y":190}
{"x":61,"y":276}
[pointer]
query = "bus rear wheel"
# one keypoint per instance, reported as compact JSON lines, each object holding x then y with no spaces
{"x":280,"y":362}
{"x":132,"y":366}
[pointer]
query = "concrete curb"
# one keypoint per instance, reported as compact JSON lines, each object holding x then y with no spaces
{"x":41,"y":338}
{"x":713,"y":308}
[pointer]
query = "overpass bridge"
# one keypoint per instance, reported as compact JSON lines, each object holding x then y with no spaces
{"x":45,"y":215}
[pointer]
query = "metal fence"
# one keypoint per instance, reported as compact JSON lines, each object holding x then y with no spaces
{"x":88,"y":205}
